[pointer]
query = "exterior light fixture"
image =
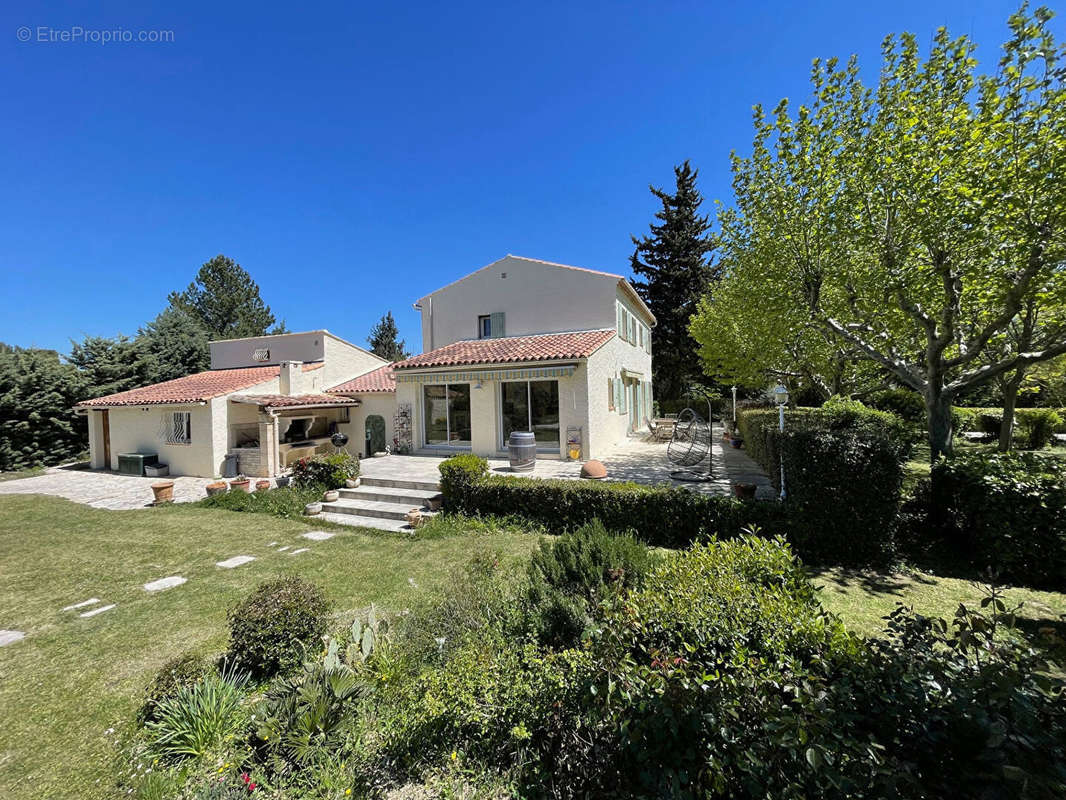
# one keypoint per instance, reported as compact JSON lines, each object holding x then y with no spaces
{"x":780,"y":395}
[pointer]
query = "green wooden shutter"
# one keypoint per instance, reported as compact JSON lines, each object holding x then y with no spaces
{"x":496,"y":325}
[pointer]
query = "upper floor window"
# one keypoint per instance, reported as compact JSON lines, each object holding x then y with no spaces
{"x":484,"y":326}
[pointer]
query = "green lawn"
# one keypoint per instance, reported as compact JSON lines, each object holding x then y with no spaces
{"x":29,"y":472}
{"x":863,"y":597}
{"x":71,"y":679}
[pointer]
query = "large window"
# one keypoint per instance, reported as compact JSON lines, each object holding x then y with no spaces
{"x":531,"y":406}
{"x":446,"y":415}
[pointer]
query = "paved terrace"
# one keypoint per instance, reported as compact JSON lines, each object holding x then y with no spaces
{"x":638,"y":459}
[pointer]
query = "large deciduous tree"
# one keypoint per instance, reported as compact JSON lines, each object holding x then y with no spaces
{"x":916,"y":222}
{"x":225,"y":301}
{"x":673,"y":268}
{"x":385,"y":341}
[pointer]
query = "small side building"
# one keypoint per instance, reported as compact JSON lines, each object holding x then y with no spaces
{"x":266,"y":400}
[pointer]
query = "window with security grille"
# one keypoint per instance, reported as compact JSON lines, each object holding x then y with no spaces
{"x":177,"y":427}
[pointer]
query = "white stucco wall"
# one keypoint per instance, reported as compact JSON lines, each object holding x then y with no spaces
{"x":535,"y":297}
{"x":96,"y":439}
{"x":608,"y":428}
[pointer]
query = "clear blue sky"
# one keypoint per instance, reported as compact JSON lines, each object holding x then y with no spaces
{"x":354,"y":156}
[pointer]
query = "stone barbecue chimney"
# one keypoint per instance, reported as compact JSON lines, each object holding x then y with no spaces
{"x":292,"y":378}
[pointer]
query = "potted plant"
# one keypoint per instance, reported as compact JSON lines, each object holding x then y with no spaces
{"x":313,"y":508}
{"x":282,"y":481}
{"x":414,"y":518}
{"x":353,"y":483}
{"x":331,"y":496}
{"x":262,"y":485}
{"x":218,"y":487}
{"x":240,"y":484}
{"x":736,"y":440}
{"x":744,"y":491}
{"x":163,"y":491}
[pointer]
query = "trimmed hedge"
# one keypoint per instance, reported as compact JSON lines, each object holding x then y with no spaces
{"x":1004,"y":512}
{"x":660,"y":516}
{"x":843,"y":494}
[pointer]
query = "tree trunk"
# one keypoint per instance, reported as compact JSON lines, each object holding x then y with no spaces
{"x":938,"y":410}
{"x":1010,"y":400}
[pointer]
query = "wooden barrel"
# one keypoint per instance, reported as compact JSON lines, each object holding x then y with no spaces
{"x":522,"y":449}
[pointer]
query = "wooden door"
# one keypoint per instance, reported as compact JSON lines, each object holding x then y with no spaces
{"x":106,"y":420}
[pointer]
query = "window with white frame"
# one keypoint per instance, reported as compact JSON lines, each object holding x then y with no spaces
{"x":177,"y":427}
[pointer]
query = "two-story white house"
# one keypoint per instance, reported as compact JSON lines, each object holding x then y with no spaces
{"x":523,"y":344}
{"x":520,"y":344}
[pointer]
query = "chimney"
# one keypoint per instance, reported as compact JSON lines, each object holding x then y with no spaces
{"x":292,"y":378}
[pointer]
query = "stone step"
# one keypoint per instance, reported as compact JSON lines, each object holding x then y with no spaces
{"x":391,"y":483}
{"x":385,"y":494}
{"x":372,"y":508}
{"x":378,"y":523}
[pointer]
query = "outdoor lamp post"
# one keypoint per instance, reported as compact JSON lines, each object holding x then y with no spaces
{"x":734,"y":388}
{"x":780,"y":394}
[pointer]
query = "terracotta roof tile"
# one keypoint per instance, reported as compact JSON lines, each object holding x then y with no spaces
{"x":285,"y":400}
{"x":379,"y":380}
{"x":193,"y":388}
{"x":545,"y":347}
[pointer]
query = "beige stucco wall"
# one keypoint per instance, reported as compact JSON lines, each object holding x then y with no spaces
{"x":382,"y":403}
{"x":345,"y":361}
{"x":137,"y":430}
{"x":608,"y":428}
{"x":535,"y":297}
{"x":96,"y":440}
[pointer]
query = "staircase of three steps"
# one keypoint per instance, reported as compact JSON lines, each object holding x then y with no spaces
{"x":381,"y":503}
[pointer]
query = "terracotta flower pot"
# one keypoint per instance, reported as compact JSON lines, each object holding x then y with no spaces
{"x":163,"y":491}
{"x":262,"y":486}
{"x":241,"y":486}
{"x":414,"y":518}
{"x":219,"y":487}
{"x":744,"y":491}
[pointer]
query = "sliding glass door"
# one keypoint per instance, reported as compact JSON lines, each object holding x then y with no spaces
{"x":446,"y":415}
{"x":531,"y":406}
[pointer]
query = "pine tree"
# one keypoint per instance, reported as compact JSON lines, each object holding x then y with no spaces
{"x":674,"y":268}
{"x":171,"y":346}
{"x":384,"y":340}
{"x":225,"y":301}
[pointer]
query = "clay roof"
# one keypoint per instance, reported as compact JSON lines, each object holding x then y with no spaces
{"x":379,"y":380}
{"x":507,"y":350}
{"x":288,"y":401}
{"x":192,"y":388}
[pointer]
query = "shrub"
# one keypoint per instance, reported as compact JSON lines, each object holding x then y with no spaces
{"x":906,"y":404}
{"x":1004,"y":512}
{"x":843,"y":493}
{"x":271,"y":628}
{"x":989,"y":422}
{"x":200,"y":720}
{"x":286,"y":502}
{"x":304,"y":718}
{"x":1038,"y":426}
{"x":329,"y":471}
{"x":568,"y":577}
{"x":661,"y":517}
{"x":179,"y":673}
{"x":461,"y":471}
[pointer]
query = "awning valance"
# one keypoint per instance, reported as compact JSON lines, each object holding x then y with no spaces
{"x":512,"y":374}
{"x":632,"y":373}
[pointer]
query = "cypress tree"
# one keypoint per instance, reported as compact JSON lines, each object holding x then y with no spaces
{"x":385,"y":341}
{"x":674,"y":267}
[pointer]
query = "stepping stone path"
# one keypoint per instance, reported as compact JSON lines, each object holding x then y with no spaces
{"x":92,"y":601}
{"x":96,"y":611}
{"x":236,"y":561}
{"x":301,"y":550}
{"x":164,"y":583}
{"x":283,"y":549}
{"x":318,"y":536}
{"x":10,"y":637}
